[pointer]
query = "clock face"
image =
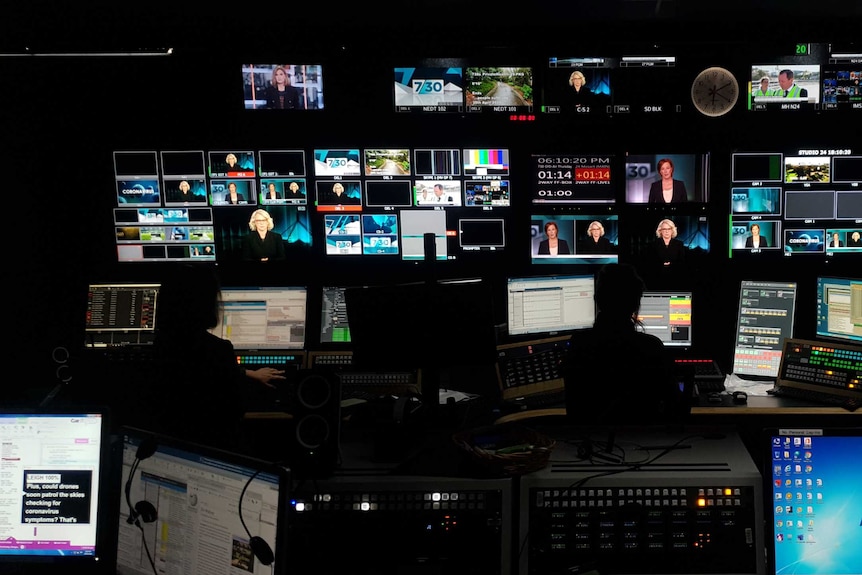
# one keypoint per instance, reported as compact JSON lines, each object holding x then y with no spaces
{"x":714,"y":91}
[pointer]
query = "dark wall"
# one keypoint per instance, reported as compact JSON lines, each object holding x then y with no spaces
{"x":63,"y":117}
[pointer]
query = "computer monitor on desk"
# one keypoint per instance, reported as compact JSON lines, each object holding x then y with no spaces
{"x":812,"y":500}
{"x":443,"y":327}
{"x":765,"y":317}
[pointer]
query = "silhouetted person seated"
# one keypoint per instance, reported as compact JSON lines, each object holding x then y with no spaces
{"x":198,"y":387}
{"x":615,"y":374}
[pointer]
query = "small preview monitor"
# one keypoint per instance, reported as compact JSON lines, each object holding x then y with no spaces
{"x":573,"y":179}
{"x":334,"y":325}
{"x":429,"y":89}
{"x":263,"y":317}
{"x":56,"y":488}
{"x":667,"y":315}
{"x":574,"y":239}
{"x":550,"y":304}
{"x":811,"y":483}
{"x":499,"y":89}
{"x":579,"y":86}
{"x":667,"y":178}
{"x":214,"y":509}
{"x":839,"y":309}
{"x":282,"y":86}
{"x":120,"y":314}
{"x":765,"y":316}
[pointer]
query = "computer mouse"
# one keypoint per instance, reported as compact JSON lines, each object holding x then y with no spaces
{"x":714,"y":397}
{"x":740,"y":397}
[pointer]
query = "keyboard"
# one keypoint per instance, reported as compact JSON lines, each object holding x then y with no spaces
{"x":708,"y":377}
{"x":543,"y":400}
{"x":368,"y":385}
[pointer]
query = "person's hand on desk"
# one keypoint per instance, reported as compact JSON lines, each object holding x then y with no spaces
{"x":266,"y":375}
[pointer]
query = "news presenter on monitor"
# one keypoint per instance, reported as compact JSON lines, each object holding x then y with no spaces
{"x":232,"y":196}
{"x":667,"y":190}
{"x":668,"y":250}
{"x":271,"y":193}
{"x":580,"y":94}
{"x":280,"y":95}
{"x":553,"y":245}
{"x":855,"y":240}
{"x":755,"y":240}
{"x":338,"y":196}
{"x":262,"y":244}
{"x":596,"y":242}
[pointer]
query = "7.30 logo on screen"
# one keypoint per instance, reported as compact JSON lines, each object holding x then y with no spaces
{"x":427,"y":86}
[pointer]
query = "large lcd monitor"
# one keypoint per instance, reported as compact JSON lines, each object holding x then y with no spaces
{"x":282,"y":86}
{"x":811,"y":481}
{"x":798,"y":202}
{"x":550,"y":304}
{"x":765,"y":316}
{"x":263,"y":318}
{"x":442,"y":324}
{"x":212,"y":510}
{"x":55,"y":486}
{"x":839,"y":309}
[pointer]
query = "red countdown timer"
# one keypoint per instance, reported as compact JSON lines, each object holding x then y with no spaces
{"x":592,"y":175}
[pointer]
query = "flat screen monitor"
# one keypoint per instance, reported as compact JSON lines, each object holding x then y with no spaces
{"x":120,"y":314}
{"x":429,"y":89}
{"x":839,"y":309}
{"x":688,"y":173}
{"x":811,"y":479}
{"x":499,"y":89}
{"x":198,"y":494}
{"x":667,"y":315}
{"x":797,"y":202}
{"x":765,"y":317}
{"x":442,"y":324}
{"x":282,"y":86}
{"x":334,"y":324}
{"x":566,"y":179}
{"x":582,"y":238}
{"x":54,"y":488}
{"x":550,"y":304}
{"x":263,"y":317}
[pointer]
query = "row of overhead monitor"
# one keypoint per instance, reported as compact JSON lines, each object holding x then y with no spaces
{"x":607,"y":84}
{"x":279,"y":318}
{"x":159,"y":504}
{"x":379,"y":203}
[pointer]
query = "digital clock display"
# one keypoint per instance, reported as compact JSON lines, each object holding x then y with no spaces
{"x":593,"y":175}
{"x":573,"y":179}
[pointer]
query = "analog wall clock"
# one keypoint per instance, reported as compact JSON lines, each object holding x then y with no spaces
{"x":714,"y":91}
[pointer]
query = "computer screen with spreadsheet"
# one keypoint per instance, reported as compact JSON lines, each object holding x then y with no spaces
{"x":765,"y":317}
{"x":839,"y":309}
{"x":550,"y":304}
{"x":263,"y":317}
{"x":120,"y":314}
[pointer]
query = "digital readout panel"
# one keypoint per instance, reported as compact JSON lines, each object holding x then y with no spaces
{"x":573,"y":179}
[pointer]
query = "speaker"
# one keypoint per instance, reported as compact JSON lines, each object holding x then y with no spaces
{"x":305,"y":436}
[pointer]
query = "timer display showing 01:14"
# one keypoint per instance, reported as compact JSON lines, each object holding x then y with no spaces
{"x":598,"y":175}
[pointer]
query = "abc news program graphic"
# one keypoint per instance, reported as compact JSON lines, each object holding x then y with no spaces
{"x":429,"y":89}
{"x":570,"y":179}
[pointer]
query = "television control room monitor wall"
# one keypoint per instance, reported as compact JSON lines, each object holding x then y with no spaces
{"x":66,"y":189}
